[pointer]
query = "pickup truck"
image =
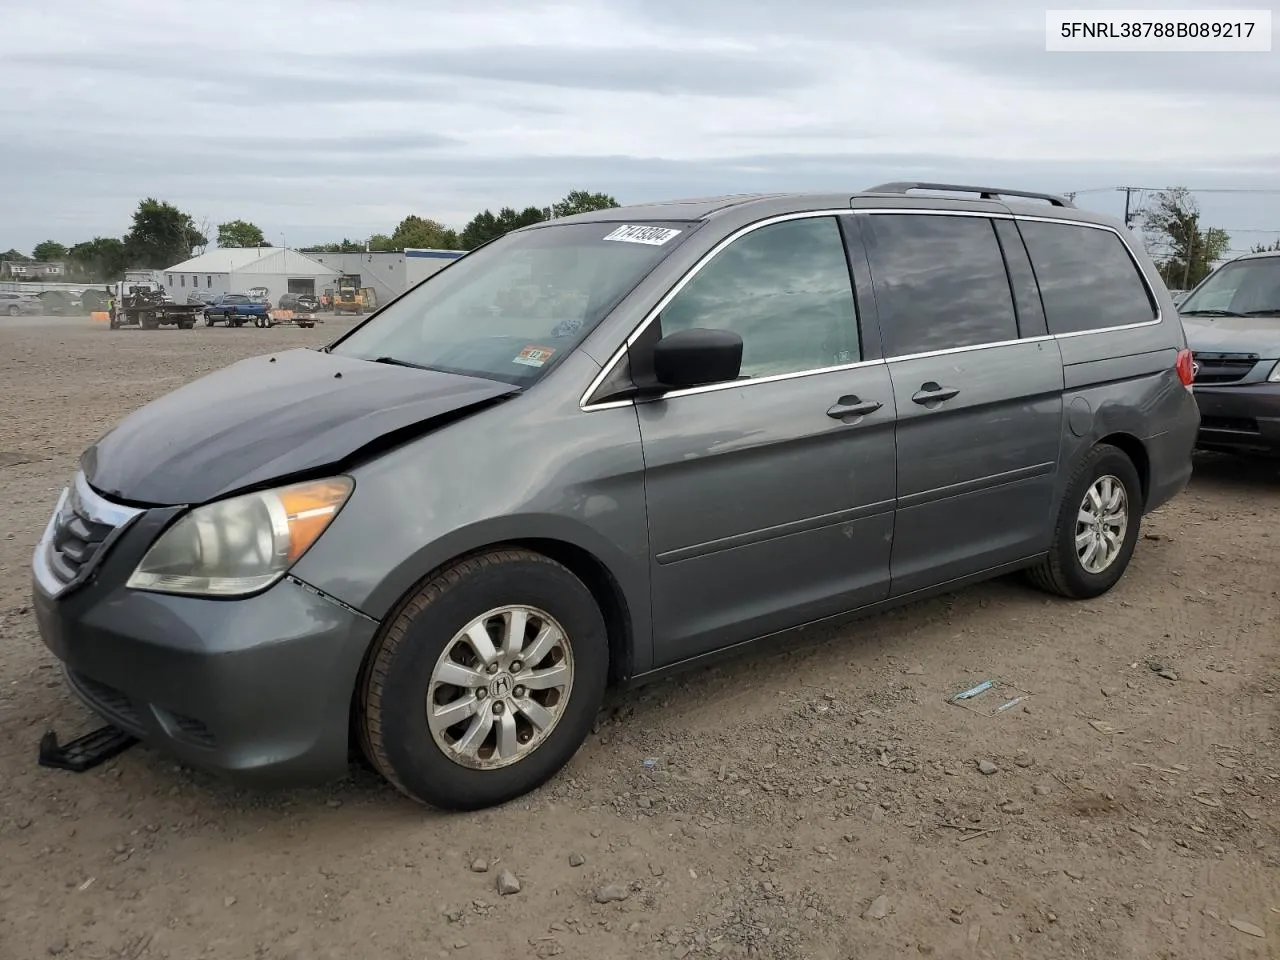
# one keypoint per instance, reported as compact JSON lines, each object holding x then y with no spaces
{"x":234,"y":309}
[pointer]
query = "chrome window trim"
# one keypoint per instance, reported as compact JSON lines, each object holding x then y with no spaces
{"x":643,"y":325}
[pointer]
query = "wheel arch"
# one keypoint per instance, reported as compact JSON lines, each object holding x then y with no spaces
{"x":1136,"y":451}
{"x":605,"y":588}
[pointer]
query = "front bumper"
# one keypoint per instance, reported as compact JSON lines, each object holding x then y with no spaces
{"x":1240,"y":417}
{"x":257,"y":688}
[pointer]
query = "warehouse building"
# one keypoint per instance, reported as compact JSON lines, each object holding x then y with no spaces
{"x":241,"y":269}
{"x":389,"y":273}
{"x":382,"y":271}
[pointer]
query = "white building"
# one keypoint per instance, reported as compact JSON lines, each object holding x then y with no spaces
{"x":381,"y":270}
{"x":240,"y":269}
{"x":421,"y":263}
{"x":389,"y":273}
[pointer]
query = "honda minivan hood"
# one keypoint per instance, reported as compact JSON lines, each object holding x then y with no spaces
{"x":267,"y":418}
{"x":1260,"y":335}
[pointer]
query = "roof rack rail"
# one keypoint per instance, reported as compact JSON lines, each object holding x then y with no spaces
{"x":986,"y":193}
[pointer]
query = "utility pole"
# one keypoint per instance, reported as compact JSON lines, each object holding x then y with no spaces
{"x":1128,"y":195}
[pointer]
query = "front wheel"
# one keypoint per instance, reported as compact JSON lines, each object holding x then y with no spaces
{"x":14,"y":311}
{"x":486,"y":682}
{"x":1096,"y":529}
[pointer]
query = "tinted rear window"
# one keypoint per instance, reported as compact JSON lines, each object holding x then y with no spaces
{"x":940,"y":282}
{"x":1088,"y":280}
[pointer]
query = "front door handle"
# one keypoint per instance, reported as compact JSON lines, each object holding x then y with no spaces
{"x":853,"y":407}
{"x":931,"y":393}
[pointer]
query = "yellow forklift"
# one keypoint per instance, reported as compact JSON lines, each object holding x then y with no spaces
{"x":347,"y":296}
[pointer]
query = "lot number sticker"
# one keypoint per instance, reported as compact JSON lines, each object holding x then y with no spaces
{"x":534,"y":356}
{"x":653,"y":236}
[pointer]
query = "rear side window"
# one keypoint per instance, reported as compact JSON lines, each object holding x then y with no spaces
{"x":940,"y":282}
{"x":1088,"y":280}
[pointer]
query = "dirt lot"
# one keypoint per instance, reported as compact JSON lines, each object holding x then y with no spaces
{"x":815,"y":799}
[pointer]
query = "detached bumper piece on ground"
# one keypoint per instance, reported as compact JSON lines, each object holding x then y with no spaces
{"x":84,"y":753}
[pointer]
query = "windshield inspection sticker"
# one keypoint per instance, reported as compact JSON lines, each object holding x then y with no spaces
{"x":653,"y":236}
{"x":534,"y":356}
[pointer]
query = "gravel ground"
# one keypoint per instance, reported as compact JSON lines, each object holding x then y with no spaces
{"x":817,"y":798}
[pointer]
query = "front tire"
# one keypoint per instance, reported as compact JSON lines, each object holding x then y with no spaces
{"x":508,"y":645}
{"x":1096,"y":529}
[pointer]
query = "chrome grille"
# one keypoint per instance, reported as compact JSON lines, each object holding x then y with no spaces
{"x":1224,"y":367}
{"x":80,"y":529}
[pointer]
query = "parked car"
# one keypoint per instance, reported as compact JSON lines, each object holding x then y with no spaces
{"x":299,"y":301}
{"x":604,"y":447}
{"x":1178,"y":295}
{"x":234,"y":309}
{"x":201,"y":298}
{"x":15,"y":304}
{"x":1232,"y":319}
{"x":59,"y":303}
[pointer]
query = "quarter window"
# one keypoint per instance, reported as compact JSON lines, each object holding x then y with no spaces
{"x":940,"y":282}
{"x":1088,"y":280}
{"x":785,"y":289}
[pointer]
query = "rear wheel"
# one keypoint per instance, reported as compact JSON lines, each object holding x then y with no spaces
{"x":1096,"y":529}
{"x":486,"y":682}
{"x":14,"y":311}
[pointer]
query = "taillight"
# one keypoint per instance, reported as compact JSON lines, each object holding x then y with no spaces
{"x":1186,"y":367}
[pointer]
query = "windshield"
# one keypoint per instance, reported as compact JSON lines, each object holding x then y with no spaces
{"x":513,"y":309}
{"x":1240,"y":288}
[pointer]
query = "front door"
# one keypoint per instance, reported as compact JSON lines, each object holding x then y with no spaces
{"x":770,"y":498}
{"x":979,"y":406}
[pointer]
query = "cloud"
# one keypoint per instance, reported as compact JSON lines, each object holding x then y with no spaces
{"x":333,"y":118}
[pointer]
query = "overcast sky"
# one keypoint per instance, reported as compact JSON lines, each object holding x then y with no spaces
{"x":323,"y":119}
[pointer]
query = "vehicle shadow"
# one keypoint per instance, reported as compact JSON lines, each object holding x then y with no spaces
{"x":1230,"y":472}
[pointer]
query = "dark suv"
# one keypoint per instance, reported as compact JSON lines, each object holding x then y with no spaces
{"x":605,"y":446}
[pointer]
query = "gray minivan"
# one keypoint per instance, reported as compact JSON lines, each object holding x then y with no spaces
{"x":605,"y":446}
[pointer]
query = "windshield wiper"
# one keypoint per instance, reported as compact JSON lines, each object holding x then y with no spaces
{"x":397,"y":362}
{"x":1273,"y":312}
{"x":1211,"y":313}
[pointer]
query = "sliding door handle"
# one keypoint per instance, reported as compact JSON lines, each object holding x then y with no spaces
{"x":930,"y":393}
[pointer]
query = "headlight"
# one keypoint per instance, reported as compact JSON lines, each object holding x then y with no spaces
{"x":242,"y":544}
{"x":1275,"y":373}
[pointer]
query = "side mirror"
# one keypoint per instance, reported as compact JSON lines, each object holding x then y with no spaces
{"x":697,"y":357}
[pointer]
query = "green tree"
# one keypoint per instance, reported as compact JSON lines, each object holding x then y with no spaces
{"x":345,"y":246}
{"x":101,"y":259}
{"x":486,"y":226}
{"x":240,"y":233}
{"x":161,"y":235}
{"x":415,"y":231}
{"x":1183,"y":250}
{"x":49,"y":252}
{"x":1265,"y":248}
{"x":580,"y":201}
{"x":15,"y":257}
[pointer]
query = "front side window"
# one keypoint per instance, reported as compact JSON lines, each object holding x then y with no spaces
{"x":512,"y":309}
{"x":1242,"y":287}
{"x":940,"y":282}
{"x":785,"y":289}
{"x":1087,"y":279}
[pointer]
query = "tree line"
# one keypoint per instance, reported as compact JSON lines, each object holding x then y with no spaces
{"x":422,"y":232}
{"x":161,"y":235}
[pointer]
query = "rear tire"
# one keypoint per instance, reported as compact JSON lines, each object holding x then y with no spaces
{"x":426,"y":645}
{"x":1105,"y":487}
